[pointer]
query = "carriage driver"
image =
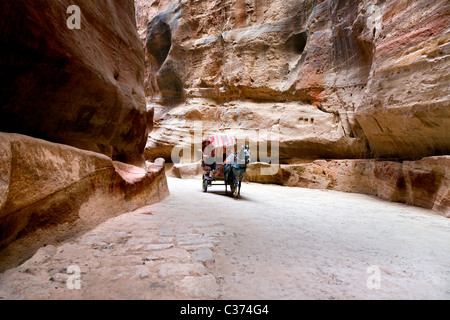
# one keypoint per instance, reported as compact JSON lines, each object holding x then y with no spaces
{"x":209,"y":156}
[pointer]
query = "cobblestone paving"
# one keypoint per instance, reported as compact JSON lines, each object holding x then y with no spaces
{"x":272,"y":243}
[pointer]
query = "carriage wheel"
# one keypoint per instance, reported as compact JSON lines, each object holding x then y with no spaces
{"x":205,"y":185}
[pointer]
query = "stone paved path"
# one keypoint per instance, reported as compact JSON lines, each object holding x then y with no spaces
{"x":272,"y":243}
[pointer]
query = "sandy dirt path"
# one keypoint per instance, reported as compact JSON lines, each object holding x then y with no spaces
{"x":273,"y":243}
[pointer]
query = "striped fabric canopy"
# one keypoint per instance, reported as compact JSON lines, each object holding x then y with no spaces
{"x":221,"y":141}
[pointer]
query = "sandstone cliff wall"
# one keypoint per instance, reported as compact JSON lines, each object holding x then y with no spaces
{"x":78,"y":87}
{"x":73,"y":122}
{"x":334,"y":79}
{"x":371,"y":74}
{"x":50,"y":192}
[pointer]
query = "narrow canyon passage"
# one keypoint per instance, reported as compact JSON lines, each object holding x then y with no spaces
{"x":273,"y":243}
{"x":346,"y":99}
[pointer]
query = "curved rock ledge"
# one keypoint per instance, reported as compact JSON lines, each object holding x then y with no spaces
{"x":424,"y":183}
{"x":50,"y":192}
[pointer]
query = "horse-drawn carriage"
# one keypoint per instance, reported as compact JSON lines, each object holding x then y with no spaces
{"x":222,"y":162}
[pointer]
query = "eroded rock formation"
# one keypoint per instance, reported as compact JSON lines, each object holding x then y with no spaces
{"x":50,"y":192}
{"x":333,"y":79}
{"x":424,"y":183}
{"x":372,"y":74}
{"x":405,"y":111}
{"x":73,"y":120}
{"x":80,"y":87}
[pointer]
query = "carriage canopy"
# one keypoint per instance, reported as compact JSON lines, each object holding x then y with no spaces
{"x":218,"y":141}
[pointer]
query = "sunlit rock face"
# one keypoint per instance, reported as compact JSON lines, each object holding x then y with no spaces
{"x":81,"y":87}
{"x":242,"y":66}
{"x":336,"y":79}
{"x":424,"y":183}
{"x":329,"y":79}
{"x":405,"y":111}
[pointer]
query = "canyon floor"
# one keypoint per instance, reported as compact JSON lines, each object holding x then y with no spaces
{"x":272,"y":243}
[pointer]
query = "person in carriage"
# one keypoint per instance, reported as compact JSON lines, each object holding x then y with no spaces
{"x":216,"y":149}
{"x":221,"y":162}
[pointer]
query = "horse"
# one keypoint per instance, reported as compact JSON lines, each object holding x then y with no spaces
{"x":235,"y":168}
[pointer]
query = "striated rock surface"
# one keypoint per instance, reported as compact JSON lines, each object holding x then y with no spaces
{"x":81,"y":92}
{"x":423,"y":183}
{"x":371,"y":74}
{"x":185,"y":170}
{"x":405,"y":112}
{"x":330,"y":79}
{"x":428,"y":183}
{"x":241,"y":66}
{"x":78,"y":87}
{"x":50,"y":192}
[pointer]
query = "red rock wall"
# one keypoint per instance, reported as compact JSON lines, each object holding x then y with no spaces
{"x":405,"y":112}
{"x":81,"y":88}
{"x":78,"y":87}
{"x":358,"y":79}
{"x":50,"y":192}
{"x":423,"y":183}
{"x":373,"y":74}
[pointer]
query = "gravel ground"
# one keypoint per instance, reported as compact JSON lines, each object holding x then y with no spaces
{"x":273,"y":243}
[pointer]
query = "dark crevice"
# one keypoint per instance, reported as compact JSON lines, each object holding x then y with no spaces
{"x":297,"y":42}
{"x":159,"y":39}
